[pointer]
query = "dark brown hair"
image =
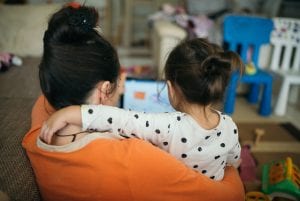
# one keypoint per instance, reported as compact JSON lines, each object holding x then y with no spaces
{"x":76,"y":57}
{"x":201,"y":70}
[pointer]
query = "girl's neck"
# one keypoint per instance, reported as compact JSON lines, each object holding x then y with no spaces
{"x":205,"y":116}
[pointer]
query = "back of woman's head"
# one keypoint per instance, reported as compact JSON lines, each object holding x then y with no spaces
{"x":201,"y":70}
{"x":75,"y":57}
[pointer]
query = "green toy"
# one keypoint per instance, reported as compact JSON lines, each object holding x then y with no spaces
{"x":281,"y":179}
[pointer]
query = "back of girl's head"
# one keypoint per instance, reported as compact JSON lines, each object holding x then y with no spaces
{"x":201,"y":70}
{"x":75,"y":57}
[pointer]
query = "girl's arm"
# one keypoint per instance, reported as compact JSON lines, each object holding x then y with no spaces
{"x":59,"y":120}
{"x":234,"y":154}
{"x":153,"y":127}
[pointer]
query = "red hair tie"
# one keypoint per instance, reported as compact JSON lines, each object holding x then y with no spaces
{"x":74,"y":5}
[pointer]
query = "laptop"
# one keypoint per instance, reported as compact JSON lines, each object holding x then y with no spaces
{"x":146,"y":96}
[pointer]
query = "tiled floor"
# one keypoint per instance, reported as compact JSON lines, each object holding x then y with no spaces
{"x":244,"y":112}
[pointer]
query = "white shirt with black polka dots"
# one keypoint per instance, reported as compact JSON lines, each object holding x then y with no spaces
{"x":207,"y":151}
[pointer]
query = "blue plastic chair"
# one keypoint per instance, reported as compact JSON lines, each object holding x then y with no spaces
{"x":242,"y":33}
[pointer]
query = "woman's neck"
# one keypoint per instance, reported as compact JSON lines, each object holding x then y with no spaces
{"x":205,"y":116}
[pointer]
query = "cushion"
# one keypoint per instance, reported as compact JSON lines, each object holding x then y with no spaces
{"x":23,"y":26}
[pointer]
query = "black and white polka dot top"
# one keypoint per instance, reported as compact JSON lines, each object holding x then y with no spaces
{"x":206,"y":151}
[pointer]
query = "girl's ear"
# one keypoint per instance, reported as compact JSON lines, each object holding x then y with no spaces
{"x":170,"y":89}
{"x":171,"y":94}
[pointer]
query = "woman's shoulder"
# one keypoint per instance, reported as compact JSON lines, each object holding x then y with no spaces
{"x":40,"y":111}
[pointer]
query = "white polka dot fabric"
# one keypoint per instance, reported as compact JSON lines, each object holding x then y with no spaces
{"x":206,"y":151}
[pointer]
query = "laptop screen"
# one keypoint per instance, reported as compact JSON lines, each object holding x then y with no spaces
{"x":146,"y":96}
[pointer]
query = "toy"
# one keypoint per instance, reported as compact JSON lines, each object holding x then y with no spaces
{"x":250,"y":68}
{"x":258,"y":134}
{"x":7,"y":60}
{"x":256,"y":196}
{"x":281,"y":179}
{"x":248,"y":166}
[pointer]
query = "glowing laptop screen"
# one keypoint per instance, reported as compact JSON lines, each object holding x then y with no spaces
{"x":146,"y":96}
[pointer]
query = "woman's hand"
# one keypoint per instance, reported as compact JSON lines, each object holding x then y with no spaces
{"x":59,"y":120}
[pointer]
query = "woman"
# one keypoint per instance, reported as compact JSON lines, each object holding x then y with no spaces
{"x":81,"y":67}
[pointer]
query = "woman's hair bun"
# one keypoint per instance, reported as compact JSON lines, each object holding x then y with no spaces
{"x":71,"y":24}
{"x":83,"y":19}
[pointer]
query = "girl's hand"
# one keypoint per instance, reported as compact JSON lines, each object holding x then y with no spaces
{"x":59,"y":120}
{"x":51,"y":126}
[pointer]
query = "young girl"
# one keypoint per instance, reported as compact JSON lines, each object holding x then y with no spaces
{"x":197,"y":73}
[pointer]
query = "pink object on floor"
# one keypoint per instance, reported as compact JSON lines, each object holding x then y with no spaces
{"x":248,"y":165}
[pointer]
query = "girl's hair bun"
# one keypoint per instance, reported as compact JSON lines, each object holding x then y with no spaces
{"x":201,"y":70}
{"x":215,"y":66}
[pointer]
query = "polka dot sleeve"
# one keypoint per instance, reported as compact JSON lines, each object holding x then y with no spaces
{"x":89,"y":115}
{"x":234,"y":154}
{"x":152,"y":127}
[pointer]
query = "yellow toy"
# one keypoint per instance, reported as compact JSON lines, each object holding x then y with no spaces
{"x":256,"y":196}
{"x":250,"y":68}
